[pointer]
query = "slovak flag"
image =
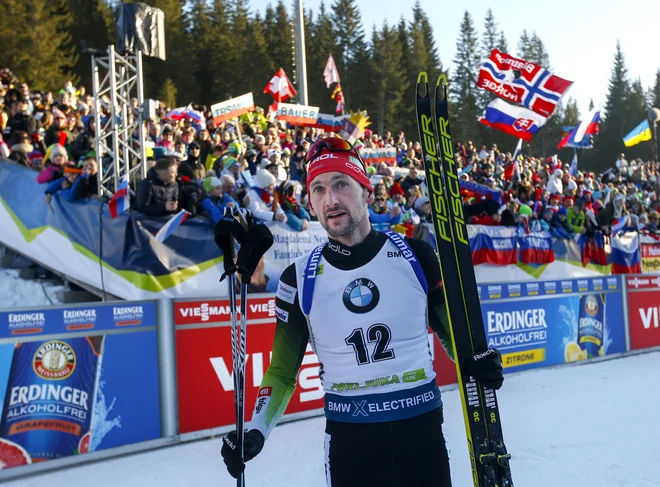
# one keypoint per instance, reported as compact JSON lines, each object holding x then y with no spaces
{"x":588,"y":126}
{"x":171,"y":225}
{"x":522,"y":82}
{"x":121,"y":200}
{"x":517,"y":121}
{"x":279,"y":87}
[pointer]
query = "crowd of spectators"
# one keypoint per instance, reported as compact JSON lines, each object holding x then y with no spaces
{"x":259,"y":164}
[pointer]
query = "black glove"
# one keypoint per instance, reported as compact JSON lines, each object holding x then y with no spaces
{"x":486,"y":367}
{"x":226,"y":231}
{"x":253,"y":444}
{"x":258,"y":239}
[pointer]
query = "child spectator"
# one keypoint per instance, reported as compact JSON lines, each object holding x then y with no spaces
{"x":55,"y":160}
{"x":296,"y":216}
{"x":263,"y":200}
{"x":218,"y":196}
{"x":67,"y":186}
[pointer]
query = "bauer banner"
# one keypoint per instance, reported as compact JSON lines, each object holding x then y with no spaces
{"x":376,"y":156}
{"x":549,"y":323}
{"x":297,"y":114}
{"x":67,"y":394}
{"x":233,"y":108}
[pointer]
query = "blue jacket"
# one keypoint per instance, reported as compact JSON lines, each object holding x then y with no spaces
{"x":69,"y":194}
{"x":216,"y":206}
{"x":382,"y":222}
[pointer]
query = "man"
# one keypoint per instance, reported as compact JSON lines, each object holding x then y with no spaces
{"x":365,"y":307}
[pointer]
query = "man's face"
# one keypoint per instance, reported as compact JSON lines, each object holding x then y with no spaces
{"x":271,"y":136}
{"x":229,"y":188}
{"x":568,"y":203}
{"x":216,"y":192}
{"x":25,"y":89}
{"x":236,"y":168}
{"x":168,"y":175}
{"x":194,"y":151}
{"x":410,"y":154}
{"x":339,"y":203}
{"x":273,"y":170}
{"x":413,"y":172}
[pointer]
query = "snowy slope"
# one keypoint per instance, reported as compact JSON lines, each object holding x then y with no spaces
{"x":591,"y":425}
{"x":20,"y":293}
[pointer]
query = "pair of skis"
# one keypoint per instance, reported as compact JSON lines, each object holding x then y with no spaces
{"x":488,"y":456}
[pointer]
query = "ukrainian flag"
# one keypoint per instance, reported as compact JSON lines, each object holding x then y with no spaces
{"x":641,"y":133}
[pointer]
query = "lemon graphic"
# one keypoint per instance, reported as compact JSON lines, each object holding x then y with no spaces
{"x":601,"y":351}
{"x":573,"y":352}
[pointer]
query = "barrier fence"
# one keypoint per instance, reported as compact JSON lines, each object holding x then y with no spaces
{"x":79,"y":383}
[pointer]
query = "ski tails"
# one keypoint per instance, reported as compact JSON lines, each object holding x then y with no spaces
{"x":488,"y":457}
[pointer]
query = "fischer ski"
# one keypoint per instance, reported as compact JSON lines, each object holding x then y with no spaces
{"x":488,"y":455}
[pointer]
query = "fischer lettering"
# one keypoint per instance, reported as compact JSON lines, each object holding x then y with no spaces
{"x":17,"y":320}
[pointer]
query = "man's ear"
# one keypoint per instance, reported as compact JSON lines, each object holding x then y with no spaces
{"x":311,"y":208}
{"x":370,"y":196}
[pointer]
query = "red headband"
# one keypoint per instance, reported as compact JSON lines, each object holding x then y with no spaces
{"x":342,"y":162}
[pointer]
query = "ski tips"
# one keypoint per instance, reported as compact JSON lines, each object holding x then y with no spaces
{"x":441,"y":87}
{"x":422,"y":85}
{"x":424,"y":76}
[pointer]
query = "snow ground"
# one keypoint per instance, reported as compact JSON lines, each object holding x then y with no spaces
{"x":20,"y":293}
{"x":590,"y":425}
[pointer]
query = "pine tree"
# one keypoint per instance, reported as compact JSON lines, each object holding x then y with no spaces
{"x":167,"y":93}
{"x":237,"y":54}
{"x":613,"y":127}
{"x":279,"y":38}
{"x":94,"y":25}
{"x":524,"y":50}
{"x":434,"y":67}
{"x":389,"y":78}
{"x":655,"y":91}
{"x":216,"y":56}
{"x":36,"y":43}
{"x":571,"y":113}
{"x":464,"y":88}
{"x":502,"y":44}
{"x":537,"y":52}
{"x":351,"y":51}
{"x":591,"y":104}
{"x":489,"y":41}
{"x":262,"y":64}
{"x":202,"y":35}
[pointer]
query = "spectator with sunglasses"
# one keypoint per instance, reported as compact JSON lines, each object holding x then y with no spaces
{"x":344,"y":293}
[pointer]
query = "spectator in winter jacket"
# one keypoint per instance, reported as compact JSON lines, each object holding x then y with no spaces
{"x":66,"y":186}
{"x":158,"y":193}
{"x":218,"y":196}
{"x":575,"y":217}
{"x":87,"y":183}
{"x":55,"y":160}
{"x":560,"y":227}
{"x":380,"y":216}
{"x":263,"y":200}
{"x":84,"y":143}
{"x":191,"y":166}
{"x":296,"y":216}
{"x":22,"y":121}
{"x":555,"y":184}
{"x":58,"y":132}
{"x":411,"y":179}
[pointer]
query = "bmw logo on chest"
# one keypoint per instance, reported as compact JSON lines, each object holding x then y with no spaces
{"x":361,"y":296}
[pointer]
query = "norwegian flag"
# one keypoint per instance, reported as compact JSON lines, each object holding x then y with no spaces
{"x":522,"y":82}
{"x":279,"y":87}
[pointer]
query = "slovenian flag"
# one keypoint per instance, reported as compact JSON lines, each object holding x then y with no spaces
{"x":517,"y":121}
{"x":172,"y":224}
{"x":120,"y":201}
{"x":626,"y":254}
{"x":578,"y":136}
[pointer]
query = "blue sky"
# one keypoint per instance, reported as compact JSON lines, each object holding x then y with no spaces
{"x":580,"y":35}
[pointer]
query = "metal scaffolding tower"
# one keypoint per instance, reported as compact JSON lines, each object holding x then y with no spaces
{"x":120,"y":132}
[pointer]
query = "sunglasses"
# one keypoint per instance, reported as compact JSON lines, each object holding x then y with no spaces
{"x":333,"y":144}
{"x":380,"y":199}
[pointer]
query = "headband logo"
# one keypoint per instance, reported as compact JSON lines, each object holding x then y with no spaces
{"x":327,"y":155}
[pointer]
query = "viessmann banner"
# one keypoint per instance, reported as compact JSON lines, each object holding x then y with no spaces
{"x":644,"y":311}
{"x":553,"y":322}
{"x":204,"y":363}
{"x":65,"y":395}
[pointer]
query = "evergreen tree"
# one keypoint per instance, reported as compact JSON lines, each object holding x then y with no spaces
{"x":537,"y":52}
{"x":322,"y":44}
{"x":202,"y":36}
{"x":351,"y":51}
{"x":655,"y":91}
{"x":489,"y":39}
{"x":502,"y":44}
{"x":524,"y":50}
{"x":464,"y":89}
{"x":571,"y":113}
{"x":434,"y":66}
{"x":35,"y":43}
{"x":237,"y":54}
{"x":167,"y":93}
{"x":613,"y":127}
{"x":216,"y":56}
{"x":94,"y":25}
{"x":591,"y":104}
{"x":280,"y":38}
{"x":389,"y":84}
{"x":262,"y":66}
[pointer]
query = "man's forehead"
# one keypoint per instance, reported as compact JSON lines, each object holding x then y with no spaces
{"x":330,"y":177}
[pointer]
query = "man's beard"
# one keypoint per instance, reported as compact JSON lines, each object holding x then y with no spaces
{"x":350,"y":228}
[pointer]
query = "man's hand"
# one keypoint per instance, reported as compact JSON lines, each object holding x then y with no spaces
{"x":280,"y":217}
{"x":305,"y":225}
{"x":171,"y":205}
{"x":486,"y":367}
{"x":49,"y":198}
{"x":253,"y":444}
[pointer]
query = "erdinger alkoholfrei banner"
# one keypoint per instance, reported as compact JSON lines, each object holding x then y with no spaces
{"x":554,"y":322}
{"x":67,"y":394}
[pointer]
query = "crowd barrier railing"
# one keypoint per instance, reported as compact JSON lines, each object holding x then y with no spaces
{"x":85,"y":382}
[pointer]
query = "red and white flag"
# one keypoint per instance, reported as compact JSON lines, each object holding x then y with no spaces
{"x":279,"y":87}
{"x":330,"y":73}
{"x":522,"y":82}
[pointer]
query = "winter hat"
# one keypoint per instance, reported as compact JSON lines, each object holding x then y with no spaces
{"x":210,"y":184}
{"x":419,"y":202}
{"x":568,"y":197}
{"x":558,"y":173}
{"x":193,"y":145}
{"x":265,"y":178}
{"x":57,"y":113}
{"x":58,"y":150}
{"x":562,"y":211}
{"x":234,"y":148}
{"x":554,"y":196}
{"x":396,"y":189}
{"x":229,"y":162}
{"x":343,"y":162}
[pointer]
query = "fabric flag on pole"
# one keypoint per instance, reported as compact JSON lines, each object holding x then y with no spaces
{"x":279,"y":87}
{"x":517,"y":121}
{"x":626,"y":254}
{"x":576,"y":137}
{"x":171,"y":225}
{"x":330,"y":73}
{"x":572,"y":170}
{"x":494,"y":245}
{"x":120,"y":201}
{"x":639,"y":134}
{"x":338,"y":96}
{"x":195,"y":115}
{"x":593,"y":249}
{"x":522,"y":82}
{"x":536,"y":248}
